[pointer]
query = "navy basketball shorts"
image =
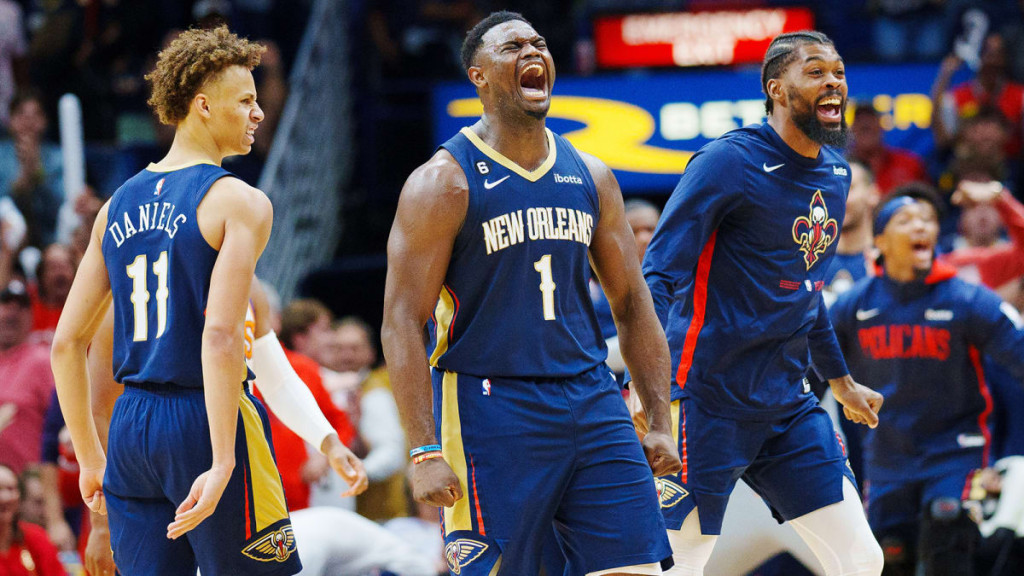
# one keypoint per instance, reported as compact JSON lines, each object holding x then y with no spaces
{"x":796,"y":464}
{"x":899,"y":503}
{"x":533,"y":454}
{"x":159,"y":443}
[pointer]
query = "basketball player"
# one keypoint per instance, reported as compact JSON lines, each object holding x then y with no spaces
{"x":530,"y":428}
{"x":284,"y":392}
{"x":919,"y":334}
{"x":175,"y":248}
{"x":736,"y":268}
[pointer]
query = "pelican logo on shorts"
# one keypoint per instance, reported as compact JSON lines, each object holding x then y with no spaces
{"x":462,"y":552}
{"x":276,"y":546}
{"x":669,"y":493}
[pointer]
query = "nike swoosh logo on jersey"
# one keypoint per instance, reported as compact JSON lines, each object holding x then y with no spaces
{"x":768,"y":168}
{"x":867,"y":314}
{"x":489,"y":185}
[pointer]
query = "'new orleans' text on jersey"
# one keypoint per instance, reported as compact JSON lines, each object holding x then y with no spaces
{"x":558,"y":223}
{"x":515,"y":300}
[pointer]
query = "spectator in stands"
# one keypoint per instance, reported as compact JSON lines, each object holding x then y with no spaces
{"x":87,"y":207}
{"x":991,"y":87}
{"x":306,"y":328}
{"x":13,"y":47}
{"x":987,"y":210}
{"x":352,"y":356}
{"x":908,"y":29}
{"x":26,"y":381}
{"x":891,"y":166}
{"x":24,"y":548}
{"x":54,"y":275}
{"x":64,"y":512}
{"x":31,"y":170}
{"x":32,"y":499}
{"x":980,"y":147}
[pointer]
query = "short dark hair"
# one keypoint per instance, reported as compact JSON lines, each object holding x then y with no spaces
{"x":638,"y":204}
{"x":475,"y":35}
{"x":920,"y":191}
{"x":865,"y":107}
{"x":298,"y":316}
{"x":987,"y":113}
{"x":781,"y":53}
{"x":864,"y":166}
{"x":357,"y":322}
{"x":23,"y":95}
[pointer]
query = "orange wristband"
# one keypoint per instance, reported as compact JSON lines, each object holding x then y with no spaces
{"x":427,"y":456}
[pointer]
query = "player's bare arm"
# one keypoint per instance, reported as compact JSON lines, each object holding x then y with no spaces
{"x":281,"y":385}
{"x":641,"y":338}
{"x":98,"y":559}
{"x":430,"y":213}
{"x":87,"y":303}
{"x":235,"y":219}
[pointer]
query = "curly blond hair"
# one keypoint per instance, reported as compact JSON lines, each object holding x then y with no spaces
{"x":191,"y":60}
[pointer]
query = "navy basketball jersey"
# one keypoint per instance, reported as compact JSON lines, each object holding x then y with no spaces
{"x":159,"y":266}
{"x":515,"y":301}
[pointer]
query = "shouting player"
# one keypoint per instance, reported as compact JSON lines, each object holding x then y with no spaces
{"x":503,"y":223}
{"x":918,"y":334}
{"x":736,"y":268}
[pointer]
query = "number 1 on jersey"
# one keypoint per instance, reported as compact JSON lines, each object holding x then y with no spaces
{"x":137,"y":271}
{"x":547,"y":285}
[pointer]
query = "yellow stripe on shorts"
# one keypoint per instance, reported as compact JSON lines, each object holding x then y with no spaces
{"x":267,"y":493}
{"x":457,"y":517}
{"x":444,"y":313}
{"x":674,"y":408}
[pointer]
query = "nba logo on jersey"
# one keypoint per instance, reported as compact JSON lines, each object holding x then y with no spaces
{"x":159,"y":186}
{"x":486,"y":385}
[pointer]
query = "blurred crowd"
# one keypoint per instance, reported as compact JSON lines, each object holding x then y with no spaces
{"x":100,"y":50}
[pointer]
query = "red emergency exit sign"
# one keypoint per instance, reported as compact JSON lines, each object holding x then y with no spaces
{"x":706,"y":38}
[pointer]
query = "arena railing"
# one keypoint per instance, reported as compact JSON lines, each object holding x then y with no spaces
{"x":310,"y":161}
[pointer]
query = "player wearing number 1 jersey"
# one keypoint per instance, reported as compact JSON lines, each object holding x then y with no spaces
{"x":175,"y":249}
{"x":530,"y":431}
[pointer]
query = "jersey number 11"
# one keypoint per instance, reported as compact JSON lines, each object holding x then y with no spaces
{"x":137,"y":271}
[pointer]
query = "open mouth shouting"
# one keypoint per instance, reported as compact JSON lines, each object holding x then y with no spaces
{"x":533,"y":82}
{"x":923,"y":251}
{"x":830,"y":109}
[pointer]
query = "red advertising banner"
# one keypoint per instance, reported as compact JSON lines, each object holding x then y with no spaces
{"x":707,"y":38}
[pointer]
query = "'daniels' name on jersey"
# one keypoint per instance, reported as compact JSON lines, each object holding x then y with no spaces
{"x":151,"y":216}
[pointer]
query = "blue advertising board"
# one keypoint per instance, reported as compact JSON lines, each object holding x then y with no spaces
{"x":646,"y":126}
